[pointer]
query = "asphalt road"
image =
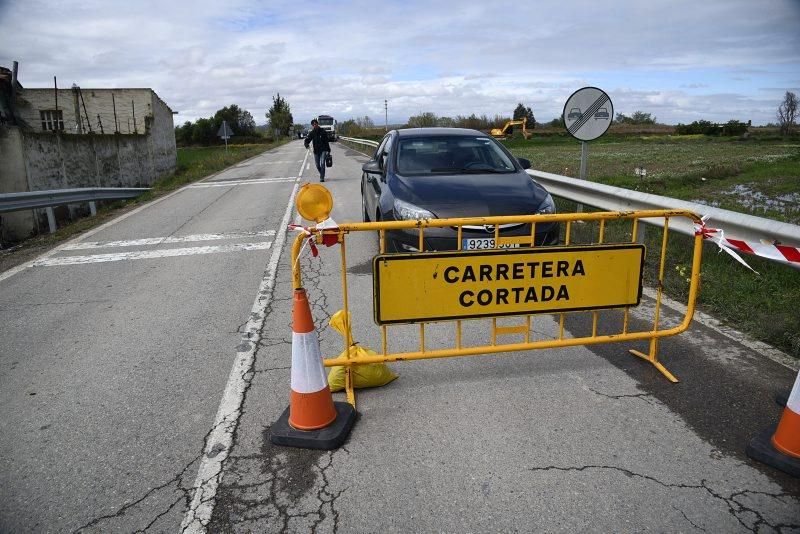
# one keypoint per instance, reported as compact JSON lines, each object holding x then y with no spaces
{"x":151,"y":357}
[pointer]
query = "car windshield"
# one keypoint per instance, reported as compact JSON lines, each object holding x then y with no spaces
{"x":452,"y":155}
{"x":325,"y":122}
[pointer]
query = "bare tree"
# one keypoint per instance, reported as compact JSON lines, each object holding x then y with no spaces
{"x":365,"y":123}
{"x":422,"y":120}
{"x":787,"y":112}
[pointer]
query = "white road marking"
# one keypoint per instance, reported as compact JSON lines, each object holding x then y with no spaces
{"x":718,"y":326}
{"x":166,"y":240}
{"x":232,"y":183}
{"x":151,"y":254}
{"x":220,"y":439}
{"x":19,"y":268}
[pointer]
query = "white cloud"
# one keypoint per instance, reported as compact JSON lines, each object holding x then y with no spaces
{"x":673,"y":58}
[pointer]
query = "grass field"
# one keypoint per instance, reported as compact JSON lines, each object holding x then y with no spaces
{"x":195,"y":163}
{"x":760,"y":177}
{"x":751,"y":176}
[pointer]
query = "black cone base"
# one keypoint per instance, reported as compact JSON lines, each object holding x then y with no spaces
{"x":761,"y":449}
{"x":330,"y":437}
{"x":782,"y":398}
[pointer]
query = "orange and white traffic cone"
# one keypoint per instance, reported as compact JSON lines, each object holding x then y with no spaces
{"x":780,"y":446}
{"x":312,"y":420}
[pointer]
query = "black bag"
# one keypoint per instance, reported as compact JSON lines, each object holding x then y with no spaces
{"x":329,"y":160}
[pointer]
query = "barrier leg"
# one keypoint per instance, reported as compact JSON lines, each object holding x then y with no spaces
{"x":652,"y":357}
{"x":348,"y":386}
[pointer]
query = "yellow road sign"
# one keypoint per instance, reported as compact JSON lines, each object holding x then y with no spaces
{"x":436,"y":286}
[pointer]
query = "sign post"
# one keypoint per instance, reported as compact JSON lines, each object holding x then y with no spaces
{"x":225,"y":132}
{"x":587,"y":115}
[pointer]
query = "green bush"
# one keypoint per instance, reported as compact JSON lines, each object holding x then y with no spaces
{"x":698,"y":127}
{"x":734,"y":127}
{"x":703,"y":127}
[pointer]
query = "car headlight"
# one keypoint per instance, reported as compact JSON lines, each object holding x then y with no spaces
{"x":409,"y":212}
{"x":547,"y":206}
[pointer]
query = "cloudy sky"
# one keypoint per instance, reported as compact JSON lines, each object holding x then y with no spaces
{"x":678,"y":60}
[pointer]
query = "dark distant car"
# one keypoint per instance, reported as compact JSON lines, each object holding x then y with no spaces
{"x":574,"y":113}
{"x":601,"y":113}
{"x":427,"y":173}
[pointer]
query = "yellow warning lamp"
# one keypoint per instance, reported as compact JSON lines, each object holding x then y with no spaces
{"x":314,"y":202}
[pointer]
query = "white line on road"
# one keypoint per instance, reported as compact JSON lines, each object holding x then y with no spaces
{"x":151,"y":254}
{"x":220,"y":439}
{"x":231,"y":183}
{"x":19,"y":268}
{"x":718,"y":326}
{"x":166,"y":240}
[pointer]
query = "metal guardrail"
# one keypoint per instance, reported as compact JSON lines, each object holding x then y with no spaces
{"x":58,"y":197}
{"x":737,"y":225}
{"x":609,"y":198}
{"x":365,"y":142}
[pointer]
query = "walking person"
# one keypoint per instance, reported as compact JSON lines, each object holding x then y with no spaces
{"x":319,"y":138}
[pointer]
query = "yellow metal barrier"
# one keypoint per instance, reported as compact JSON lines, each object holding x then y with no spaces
{"x":572,"y":223}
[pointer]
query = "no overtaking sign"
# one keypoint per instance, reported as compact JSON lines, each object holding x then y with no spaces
{"x":588,"y":113}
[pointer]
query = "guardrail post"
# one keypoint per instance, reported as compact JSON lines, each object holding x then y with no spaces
{"x":93,"y":208}
{"x":51,"y":219}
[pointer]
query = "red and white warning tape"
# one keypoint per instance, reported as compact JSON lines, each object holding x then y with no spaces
{"x":327,"y":239}
{"x":781,"y":253}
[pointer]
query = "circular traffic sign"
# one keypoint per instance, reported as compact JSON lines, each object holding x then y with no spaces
{"x":588,"y":113}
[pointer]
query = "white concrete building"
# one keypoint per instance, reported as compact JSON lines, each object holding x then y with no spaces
{"x":68,"y":138}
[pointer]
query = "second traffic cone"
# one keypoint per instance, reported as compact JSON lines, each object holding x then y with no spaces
{"x":780,"y":446}
{"x":312,"y":420}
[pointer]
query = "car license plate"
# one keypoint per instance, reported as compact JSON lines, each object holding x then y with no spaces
{"x":483,"y":243}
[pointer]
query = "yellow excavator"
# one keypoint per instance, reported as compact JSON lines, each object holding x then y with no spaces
{"x":502,"y":133}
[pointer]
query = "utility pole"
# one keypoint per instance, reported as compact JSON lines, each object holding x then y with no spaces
{"x":386,"y":115}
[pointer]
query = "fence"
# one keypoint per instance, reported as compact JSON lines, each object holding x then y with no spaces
{"x":609,"y":249}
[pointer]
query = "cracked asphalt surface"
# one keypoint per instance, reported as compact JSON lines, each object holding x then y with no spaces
{"x":128,"y":363}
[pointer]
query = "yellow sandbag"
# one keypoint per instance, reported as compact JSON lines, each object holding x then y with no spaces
{"x":368,"y":375}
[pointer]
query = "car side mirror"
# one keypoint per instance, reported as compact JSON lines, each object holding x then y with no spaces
{"x":526,"y":163}
{"x":382,"y":160}
{"x":372,"y":167}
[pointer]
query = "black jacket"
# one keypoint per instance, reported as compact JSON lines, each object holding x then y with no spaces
{"x":319,"y":138}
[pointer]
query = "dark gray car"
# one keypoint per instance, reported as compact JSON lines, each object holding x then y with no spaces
{"x":422,"y":173}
